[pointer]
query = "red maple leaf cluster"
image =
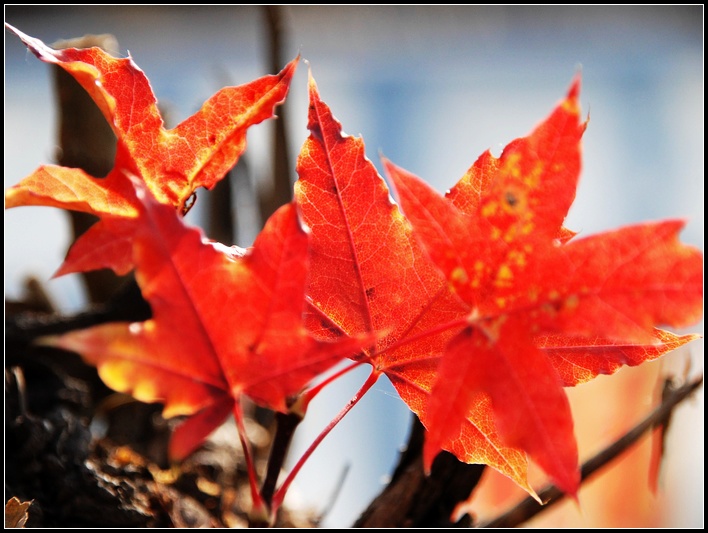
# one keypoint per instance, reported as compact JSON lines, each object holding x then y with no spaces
{"x":479,"y":305}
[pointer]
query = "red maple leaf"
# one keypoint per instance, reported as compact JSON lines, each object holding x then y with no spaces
{"x":173,"y":163}
{"x":368,"y":274}
{"x":476,"y":351}
{"x":544,"y":309}
{"x":224,"y":323}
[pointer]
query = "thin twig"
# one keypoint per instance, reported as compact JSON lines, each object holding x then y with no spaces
{"x":280,"y":493}
{"x":334,"y":496}
{"x":529,"y":507}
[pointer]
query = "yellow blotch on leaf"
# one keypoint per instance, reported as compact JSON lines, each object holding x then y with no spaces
{"x":571,"y":302}
{"x":505,"y":276}
{"x":489,"y":209}
{"x":458,"y":275}
{"x":517,"y":257}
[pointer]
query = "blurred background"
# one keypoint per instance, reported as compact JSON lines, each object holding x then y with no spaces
{"x":431,"y":88}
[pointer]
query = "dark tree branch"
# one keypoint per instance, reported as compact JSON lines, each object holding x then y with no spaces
{"x":281,"y":192}
{"x":413,"y":499}
{"x":287,"y":424}
{"x":22,"y":329}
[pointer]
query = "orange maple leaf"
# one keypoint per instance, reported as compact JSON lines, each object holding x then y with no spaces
{"x":173,"y":163}
{"x":224,"y":323}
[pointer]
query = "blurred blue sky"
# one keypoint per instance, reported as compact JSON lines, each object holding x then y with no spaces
{"x":431,"y":88}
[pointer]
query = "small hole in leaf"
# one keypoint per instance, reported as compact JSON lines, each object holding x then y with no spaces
{"x":189,"y":203}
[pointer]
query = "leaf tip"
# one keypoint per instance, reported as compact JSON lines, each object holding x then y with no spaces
{"x":23,"y":36}
{"x":311,"y":84}
{"x":570,"y":484}
{"x":289,"y":69}
{"x":36,"y":46}
{"x":430,"y":452}
{"x":574,"y":91}
{"x":49,"y":341}
{"x":387,"y":164}
{"x":11,"y":198}
{"x":571,"y":104}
